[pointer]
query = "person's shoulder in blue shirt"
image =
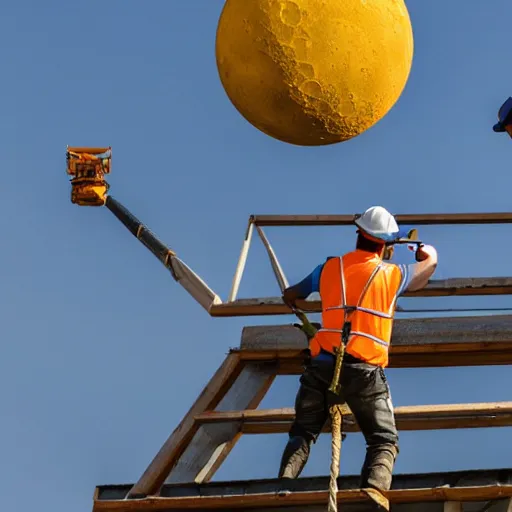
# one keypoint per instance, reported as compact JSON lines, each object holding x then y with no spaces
{"x":311,"y":283}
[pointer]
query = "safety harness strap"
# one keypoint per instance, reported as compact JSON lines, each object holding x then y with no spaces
{"x":346,"y":330}
{"x":364,"y":310}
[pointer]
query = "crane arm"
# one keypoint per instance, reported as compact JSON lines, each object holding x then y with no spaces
{"x":179,"y":270}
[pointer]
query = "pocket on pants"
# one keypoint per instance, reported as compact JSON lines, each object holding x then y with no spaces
{"x":363,"y":382}
{"x":381,"y":383}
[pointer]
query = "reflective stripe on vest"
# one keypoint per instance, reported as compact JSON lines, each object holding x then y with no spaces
{"x":350,"y":309}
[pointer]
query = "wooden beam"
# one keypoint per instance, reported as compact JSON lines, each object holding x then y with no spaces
{"x":156,"y":473}
{"x":421,"y":417}
{"x":463,"y":286}
{"x":416,"y":343}
{"x":291,"y":362}
{"x":212,"y":443}
{"x":420,"y":219}
{"x":409,"y":492}
{"x":456,"y":486}
{"x":302,"y":499}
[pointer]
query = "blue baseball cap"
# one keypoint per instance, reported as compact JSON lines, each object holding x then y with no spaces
{"x":390,"y":237}
{"x":401,"y":233}
{"x":504,"y":116}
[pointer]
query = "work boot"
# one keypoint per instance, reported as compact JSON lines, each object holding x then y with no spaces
{"x":378,"y":466}
{"x":295,"y":456}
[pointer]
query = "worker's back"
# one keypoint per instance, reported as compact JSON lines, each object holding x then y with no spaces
{"x":371,"y":332}
{"x":359,"y":279}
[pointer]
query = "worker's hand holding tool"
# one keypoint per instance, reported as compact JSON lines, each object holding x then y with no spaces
{"x":424,"y":251}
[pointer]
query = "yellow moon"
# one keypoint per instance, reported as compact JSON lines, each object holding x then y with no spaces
{"x":314,"y":72}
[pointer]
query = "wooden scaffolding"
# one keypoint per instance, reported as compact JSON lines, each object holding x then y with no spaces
{"x":179,"y":476}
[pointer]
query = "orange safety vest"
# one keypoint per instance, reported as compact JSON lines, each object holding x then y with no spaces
{"x":361,"y":289}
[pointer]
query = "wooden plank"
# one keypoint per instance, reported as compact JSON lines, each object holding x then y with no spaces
{"x":155,"y":474}
{"x":416,"y":417}
{"x":460,"y":478}
{"x":416,"y":219}
{"x":216,"y":460}
{"x":291,"y":362}
{"x":246,"y":501}
{"x":420,"y":342}
{"x":212,"y":443}
{"x":301,"y":499}
{"x":309,"y":492}
{"x":465,"y":286}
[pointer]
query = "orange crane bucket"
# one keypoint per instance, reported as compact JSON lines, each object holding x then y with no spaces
{"x":88,"y":167}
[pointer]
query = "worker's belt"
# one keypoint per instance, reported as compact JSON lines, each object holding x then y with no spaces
{"x":330,"y":357}
{"x":324,"y":356}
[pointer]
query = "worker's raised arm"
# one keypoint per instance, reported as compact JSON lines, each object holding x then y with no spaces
{"x":421,"y":272}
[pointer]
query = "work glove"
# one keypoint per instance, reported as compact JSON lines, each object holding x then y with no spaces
{"x":316,"y":325}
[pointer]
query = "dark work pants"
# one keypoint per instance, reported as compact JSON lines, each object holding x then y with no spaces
{"x":366,"y":392}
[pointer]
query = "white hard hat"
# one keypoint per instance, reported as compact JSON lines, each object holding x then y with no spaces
{"x":379,"y":223}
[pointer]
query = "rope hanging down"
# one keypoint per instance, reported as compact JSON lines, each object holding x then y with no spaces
{"x":336,"y":413}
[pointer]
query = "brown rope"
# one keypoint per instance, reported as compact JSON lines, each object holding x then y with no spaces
{"x":336,"y":412}
{"x":336,"y":422}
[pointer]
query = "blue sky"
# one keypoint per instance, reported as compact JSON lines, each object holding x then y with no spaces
{"x":103,"y":352}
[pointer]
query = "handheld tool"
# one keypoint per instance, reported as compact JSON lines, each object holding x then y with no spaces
{"x":413,"y":244}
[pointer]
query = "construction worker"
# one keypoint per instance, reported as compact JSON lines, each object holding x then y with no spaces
{"x":504,"y":123}
{"x":359,"y":292}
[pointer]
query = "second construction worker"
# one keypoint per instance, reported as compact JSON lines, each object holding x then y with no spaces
{"x":359,"y":292}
